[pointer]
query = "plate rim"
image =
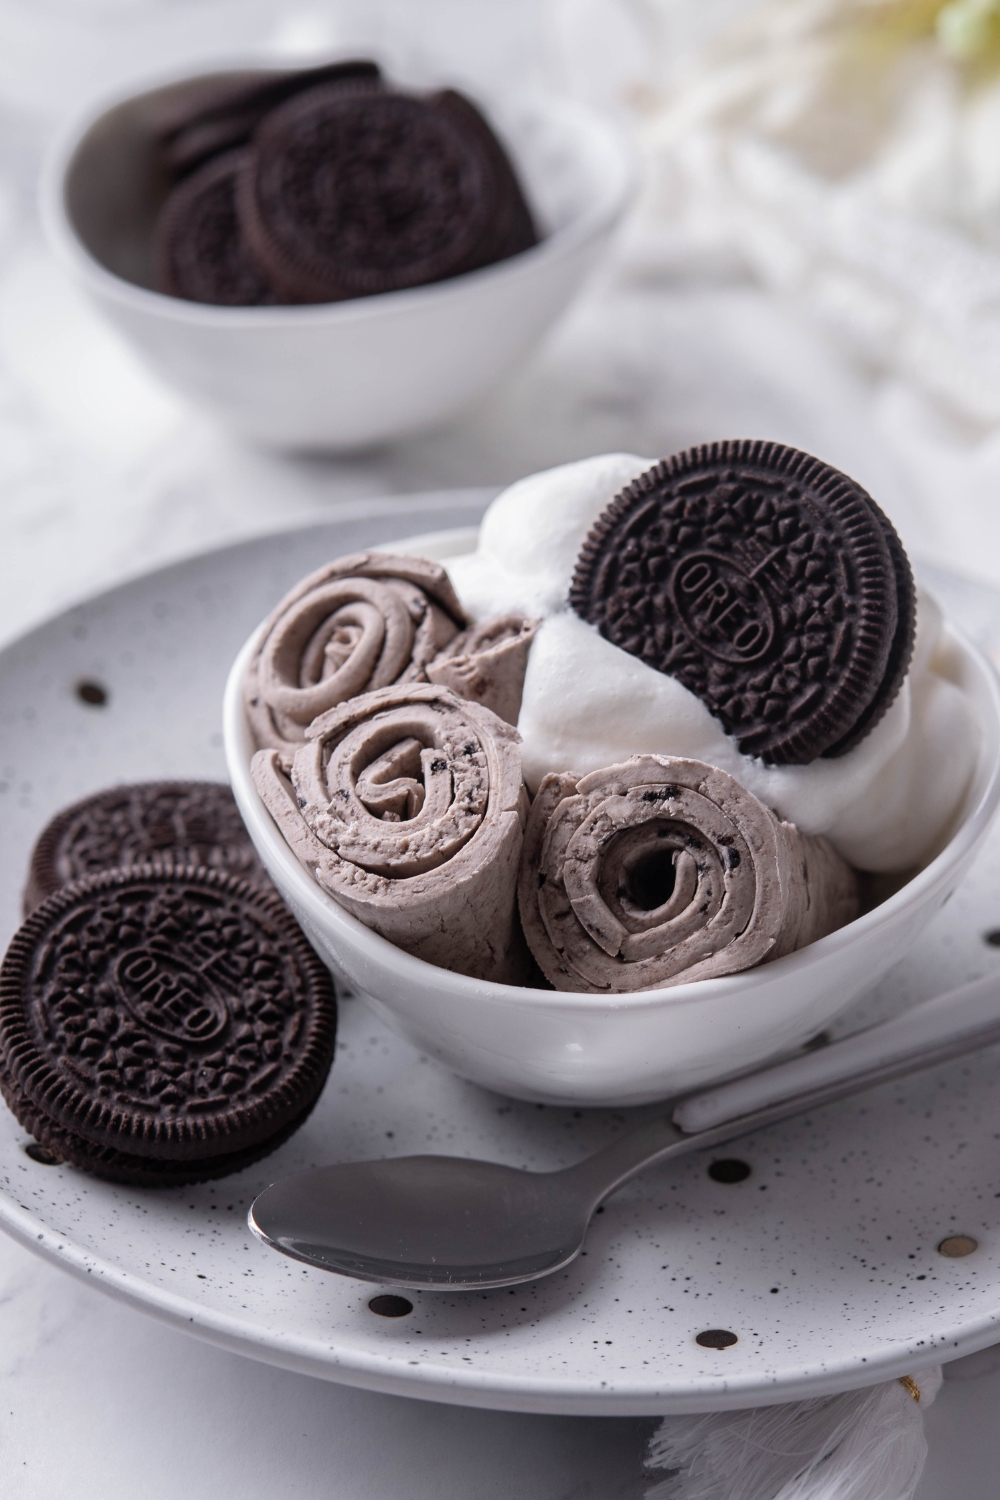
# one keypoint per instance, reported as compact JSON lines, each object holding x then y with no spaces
{"x":456,"y":1387}
{"x":358,"y":508}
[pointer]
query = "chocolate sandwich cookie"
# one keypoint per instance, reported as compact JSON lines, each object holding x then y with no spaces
{"x":163,"y":1020}
{"x":224,"y":112}
{"x":137,"y":1171}
{"x":185,"y":822}
{"x":768,"y":583}
{"x":349,"y":193}
{"x":513,"y":228}
{"x":199,"y":248}
{"x":901,"y":649}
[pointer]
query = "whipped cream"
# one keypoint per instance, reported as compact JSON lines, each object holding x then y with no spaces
{"x":886,"y":805}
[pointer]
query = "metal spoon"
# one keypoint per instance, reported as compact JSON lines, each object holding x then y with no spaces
{"x":449,"y":1222}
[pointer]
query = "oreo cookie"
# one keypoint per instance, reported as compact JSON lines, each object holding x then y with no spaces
{"x":183,"y":822}
{"x":768,"y":583}
{"x":901,"y":648}
{"x":163,"y":1025}
{"x":350,"y":192}
{"x":513,"y":226}
{"x":198,"y":246}
{"x":223,"y":112}
{"x":136,"y":1171}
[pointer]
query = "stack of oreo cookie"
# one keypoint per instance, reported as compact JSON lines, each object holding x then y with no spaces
{"x":325,"y":185}
{"x":162,"y":1018}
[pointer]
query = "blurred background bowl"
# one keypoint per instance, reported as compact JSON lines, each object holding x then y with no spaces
{"x":345,"y":375}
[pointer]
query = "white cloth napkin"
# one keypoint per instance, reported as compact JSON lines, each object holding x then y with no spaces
{"x":836,"y":152}
{"x":837,"y":148}
{"x":862,"y":1445}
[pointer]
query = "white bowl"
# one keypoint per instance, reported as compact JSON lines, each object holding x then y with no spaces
{"x":342,"y":375}
{"x":567,"y":1048}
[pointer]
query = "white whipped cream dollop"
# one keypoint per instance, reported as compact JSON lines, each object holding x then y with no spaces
{"x":886,"y":805}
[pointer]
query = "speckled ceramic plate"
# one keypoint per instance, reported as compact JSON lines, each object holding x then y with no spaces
{"x":823,"y":1261}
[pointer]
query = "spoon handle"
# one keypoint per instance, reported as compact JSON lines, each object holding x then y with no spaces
{"x":966,"y":1009}
{"x":931,"y":1034}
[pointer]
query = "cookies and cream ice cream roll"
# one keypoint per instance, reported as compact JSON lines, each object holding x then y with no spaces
{"x":487,"y":663}
{"x":363,"y":622}
{"x":661,"y":871}
{"x":406,"y":804}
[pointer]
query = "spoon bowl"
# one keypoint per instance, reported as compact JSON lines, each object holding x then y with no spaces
{"x":447,"y":1221}
{"x":426,"y":1221}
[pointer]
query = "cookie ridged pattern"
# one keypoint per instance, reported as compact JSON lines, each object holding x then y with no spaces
{"x":200,"y":250}
{"x":901,"y":646}
{"x":349,"y":192}
{"x":139,"y":1171}
{"x":170,"y":1014}
{"x":763,"y":580}
{"x":187,"y":822}
{"x":224,"y":113}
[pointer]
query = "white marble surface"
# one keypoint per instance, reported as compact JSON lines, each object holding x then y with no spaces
{"x":99,"y":1401}
{"x":102,"y":474}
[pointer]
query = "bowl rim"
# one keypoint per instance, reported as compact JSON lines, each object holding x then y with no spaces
{"x":599,"y":217}
{"x":332,"y":918}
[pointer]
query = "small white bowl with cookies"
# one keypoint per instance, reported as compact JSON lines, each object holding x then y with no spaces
{"x":742,"y":780}
{"x":378,"y":296}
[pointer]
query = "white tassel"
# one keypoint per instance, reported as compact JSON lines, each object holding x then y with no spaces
{"x":863,"y":1445}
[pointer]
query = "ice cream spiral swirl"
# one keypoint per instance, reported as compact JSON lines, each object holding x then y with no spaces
{"x":407,"y":806}
{"x":361,"y":623}
{"x":660,"y":871}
